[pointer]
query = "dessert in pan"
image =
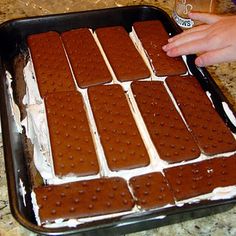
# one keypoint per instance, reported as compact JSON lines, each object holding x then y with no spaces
{"x":128,"y":129}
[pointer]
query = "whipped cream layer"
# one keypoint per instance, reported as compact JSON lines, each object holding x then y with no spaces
{"x":219,"y":193}
{"x":15,"y":111}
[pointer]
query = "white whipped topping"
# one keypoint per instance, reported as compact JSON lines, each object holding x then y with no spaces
{"x":144,"y":54}
{"x":22,"y":191}
{"x":35,"y":207}
{"x":209,"y":97}
{"x":114,"y":78}
{"x":219,"y":193}
{"x":32,"y":95}
{"x":229,"y":113}
{"x":37,"y":131}
{"x":224,"y":193}
{"x":76,"y":222}
{"x":15,"y":111}
{"x":186,"y":64}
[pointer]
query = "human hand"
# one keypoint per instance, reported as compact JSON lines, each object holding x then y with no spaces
{"x":214,"y":41}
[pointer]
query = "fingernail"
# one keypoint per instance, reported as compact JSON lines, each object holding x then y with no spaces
{"x":170,"y":40}
{"x":168,"y":53}
{"x":164,"y":47}
{"x":199,"y":62}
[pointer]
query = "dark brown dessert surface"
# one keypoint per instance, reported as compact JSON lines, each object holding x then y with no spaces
{"x":151,"y":190}
{"x":50,"y":63}
{"x":153,"y":36}
{"x":124,"y":58}
{"x":86,"y":60}
{"x":203,"y":177}
{"x":167,"y":130}
{"x":122,"y":143}
{"x":83,"y":199}
{"x":210,"y":132}
{"x":70,"y":137}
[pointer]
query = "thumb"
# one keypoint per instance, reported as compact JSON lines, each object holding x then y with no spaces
{"x":204,"y":17}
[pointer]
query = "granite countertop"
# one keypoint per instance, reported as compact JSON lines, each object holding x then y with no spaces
{"x":224,"y":75}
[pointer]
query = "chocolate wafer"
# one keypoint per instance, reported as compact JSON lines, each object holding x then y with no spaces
{"x":167,"y":130}
{"x":153,"y":36}
{"x":71,"y":141}
{"x":210,"y":132}
{"x":124,"y":58}
{"x":122,"y":143}
{"x":151,"y":190}
{"x":86,"y":60}
{"x":50,"y":64}
{"x":203,"y":177}
{"x":83,"y":199}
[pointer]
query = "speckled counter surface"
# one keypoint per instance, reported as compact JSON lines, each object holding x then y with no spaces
{"x":224,"y":75}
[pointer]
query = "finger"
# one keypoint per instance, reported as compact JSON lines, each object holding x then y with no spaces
{"x":189,"y":31}
{"x":204,"y":17}
{"x":214,"y":57}
{"x":185,"y":39}
{"x":193,"y":47}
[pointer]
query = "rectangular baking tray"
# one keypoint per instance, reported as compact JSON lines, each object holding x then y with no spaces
{"x":12,"y":43}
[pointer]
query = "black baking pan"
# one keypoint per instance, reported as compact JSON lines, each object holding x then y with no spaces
{"x":13,"y":36}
